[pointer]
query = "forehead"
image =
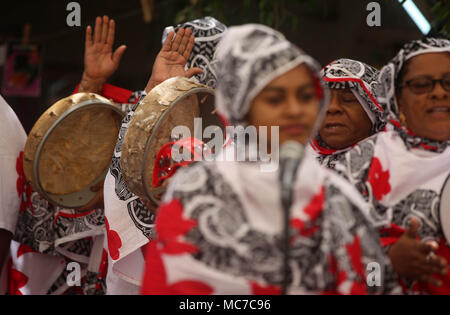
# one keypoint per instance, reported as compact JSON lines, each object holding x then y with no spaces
{"x":341,"y":91}
{"x":299,"y":76}
{"x":428,"y":64}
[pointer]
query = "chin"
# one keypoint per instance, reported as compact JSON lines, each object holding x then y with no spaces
{"x":439,"y":132}
{"x":335,"y":144}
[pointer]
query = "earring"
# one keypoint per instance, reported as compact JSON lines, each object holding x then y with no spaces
{"x":402,"y":118}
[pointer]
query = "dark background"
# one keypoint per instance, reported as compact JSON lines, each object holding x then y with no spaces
{"x":326,"y":29}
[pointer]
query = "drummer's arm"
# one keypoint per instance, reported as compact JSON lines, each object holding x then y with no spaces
{"x":172,"y":58}
{"x":100,"y":62}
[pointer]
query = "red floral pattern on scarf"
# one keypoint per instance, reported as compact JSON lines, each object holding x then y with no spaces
{"x":264,"y":290}
{"x":313,"y":210}
{"x":170,"y":225}
{"x":16,"y":281}
{"x":24,"y":189}
{"x":378,"y":179}
{"x":114,"y":241}
{"x":23,"y":249}
{"x":355,"y":254}
{"x":155,"y":278}
{"x":358,"y":286}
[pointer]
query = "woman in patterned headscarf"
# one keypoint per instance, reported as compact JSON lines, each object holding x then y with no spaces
{"x":219,"y":229}
{"x":354,"y":113}
{"x":402,"y":172}
{"x":187,"y":50}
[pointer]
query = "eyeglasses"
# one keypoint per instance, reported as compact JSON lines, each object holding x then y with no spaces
{"x":426,"y":85}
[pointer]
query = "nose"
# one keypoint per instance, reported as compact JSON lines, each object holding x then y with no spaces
{"x":293,"y":106}
{"x":439,"y":91}
{"x":334,"y":107}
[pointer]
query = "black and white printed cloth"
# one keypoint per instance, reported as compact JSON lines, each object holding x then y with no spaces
{"x":219,"y":229}
{"x":402,"y":176}
{"x":362,"y":80}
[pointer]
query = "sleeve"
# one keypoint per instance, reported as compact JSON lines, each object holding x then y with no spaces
{"x":125,"y":98}
{"x":9,"y":196}
{"x":173,"y":263}
{"x":12,"y":142}
{"x":117,"y":94}
{"x":171,"y":269}
{"x":358,"y":262}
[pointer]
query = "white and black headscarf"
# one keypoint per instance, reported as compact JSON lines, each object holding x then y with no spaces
{"x":361,"y":79}
{"x":249,"y":58}
{"x":208,"y":32}
{"x":388,"y":81}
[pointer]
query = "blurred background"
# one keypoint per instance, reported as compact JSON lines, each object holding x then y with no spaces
{"x":326,"y":29}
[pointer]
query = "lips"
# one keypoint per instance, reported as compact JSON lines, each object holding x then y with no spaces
{"x":439,"y":109}
{"x":438,"y":112}
{"x":333,"y":125}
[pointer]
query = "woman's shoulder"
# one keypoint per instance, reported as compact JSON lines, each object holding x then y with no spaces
{"x":355,"y":163}
{"x":193,"y":179}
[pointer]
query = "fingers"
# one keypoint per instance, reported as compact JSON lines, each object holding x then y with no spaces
{"x":88,"y":42}
{"x":193,"y":71}
{"x":436,"y":264}
{"x":433,"y":245}
{"x":105,"y":23}
{"x":428,"y":264}
{"x":431,"y":280}
{"x":118,"y":54}
{"x":168,"y":43}
{"x":111,"y":34}
{"x":97,"y":29}
{"x":188,"y":50}
{"x":424,"y":248}
{"x":104,"y":31}
{"x":413,"y":229}
{"x":184,"y":41}
{"x":177,"y":41}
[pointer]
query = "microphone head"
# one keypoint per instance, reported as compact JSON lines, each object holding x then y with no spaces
{"x":291,"y":150}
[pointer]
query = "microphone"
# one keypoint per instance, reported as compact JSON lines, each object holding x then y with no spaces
{"x":291,"y":156}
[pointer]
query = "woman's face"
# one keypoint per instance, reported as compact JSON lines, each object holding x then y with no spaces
{"x":346,"y":123}
{"x":426,"y":114}
{"x":290,"y":102}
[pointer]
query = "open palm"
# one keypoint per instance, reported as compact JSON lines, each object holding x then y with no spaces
{"x":99,"y":60}
{"x":172,"y":58}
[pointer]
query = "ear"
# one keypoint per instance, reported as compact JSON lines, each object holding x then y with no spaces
{"x":402,"y":118}
{"x":401,"y":107}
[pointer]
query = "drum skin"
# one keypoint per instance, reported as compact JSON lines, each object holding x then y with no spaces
{"x":73,"y":141}
{"x":175,"y":102}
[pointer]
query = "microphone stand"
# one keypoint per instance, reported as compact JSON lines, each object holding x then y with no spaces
{"x":292,"y":159}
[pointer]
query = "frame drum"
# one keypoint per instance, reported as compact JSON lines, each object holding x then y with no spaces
{"x":175,"y":102}
{"x":70,"y":147}
{"x":444,"y":209}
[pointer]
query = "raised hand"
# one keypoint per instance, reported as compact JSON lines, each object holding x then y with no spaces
{"x":414,"y":259}
{"x":100,"y":62}
{"x":172,"y":59}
